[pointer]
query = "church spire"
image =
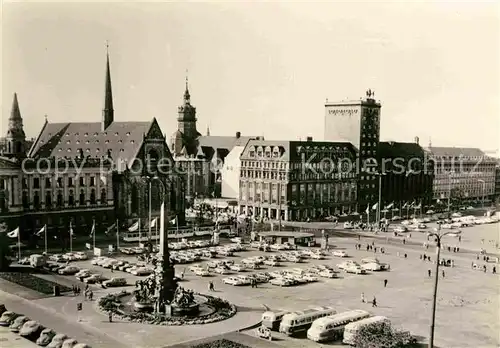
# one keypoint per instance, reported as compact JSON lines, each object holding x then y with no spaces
{"x":187,"y":96}
{"x":15,"y":113}
{"x":208,"y":131}
{"x":15,"y":133}
{"x":107,"y":112}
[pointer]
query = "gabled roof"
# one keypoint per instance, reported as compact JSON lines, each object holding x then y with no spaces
{"x":456,"y":151}
{"x":390,"y":149}
{"x":223,"y":142}
{"x":63,"y":140}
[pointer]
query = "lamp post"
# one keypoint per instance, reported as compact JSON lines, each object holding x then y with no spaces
{"x":438,"y":237}
{"x":449,"y":193}
{"x":484,"y":187}
{"x":379,"y":203}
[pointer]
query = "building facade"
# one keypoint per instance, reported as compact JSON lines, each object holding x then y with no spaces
{"x":298,"y":180}
{"x":358,"y":122}
{"x":88,"y":171}
{"x":407,"y":176}
{"x":200,"y":158}
{"x":462,"y":174}
{"x":497,"y":182}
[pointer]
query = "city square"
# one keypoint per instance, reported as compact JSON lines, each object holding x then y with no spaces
{"x":284,"y":174}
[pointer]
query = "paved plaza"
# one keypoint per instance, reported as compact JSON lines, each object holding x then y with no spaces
{"x":467,"y":307}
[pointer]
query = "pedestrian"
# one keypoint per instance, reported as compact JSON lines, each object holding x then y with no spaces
{"x":429,"y":258}
{"x":458,"y":249}
{"x":404,"y":241}
{"x":374,"y":302}
{"x":459,"y":238}
{"x":484,"y":268}
{"x":425,"y":257}
{"x":363,"y":297}
{"x":472,"y":265}
{"x":443,"y":273}
{"x":429,"y":272}
{"x":385,"y":283}
{"x":91,"y":295}
{"x":382,"y":250}
{"x":211,"y":286}
{"x":449,"y":248}
{"x":367,"y":247}
{"x":494,"y":270}
{"x":110,"y":317}
{"x":375,"y":250}
{"x":420,"y":256}
{"x":406,"y":255}
{"x":111,"y":269}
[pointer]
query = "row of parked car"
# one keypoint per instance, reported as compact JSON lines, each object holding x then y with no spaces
{"x":138,"y":269}
{"x":35,"y":332}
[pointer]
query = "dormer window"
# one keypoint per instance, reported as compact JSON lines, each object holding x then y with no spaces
{"x":122,"y":150}
{"x":107,"y":141}
{"x":132,"y":141}
{"x":116,"y":134}
{"x":78,"y":141}
{"x":68,"y":141}
{"x":77,"y":134}
{"x":69,"y":150}
{"x":67,"y":134}
{"x":120,"y":141}
{"x":86,"y":134}
{"x":97,"y":150}
{"x":60,"y":149}
{"x":88,"y":150}
{"x":97,"y":141}
{"x":105,"y":133}
{"x":128,"y":133}
{"x":87,"y":141}
{"x":95,"y":134}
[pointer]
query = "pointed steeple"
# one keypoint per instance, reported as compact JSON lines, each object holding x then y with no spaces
{"x":208,"y":131}
{"x":15,"y":113}
{"x":187,"y":96}
{"x":15,"y":133}
{"x":108,"y":111}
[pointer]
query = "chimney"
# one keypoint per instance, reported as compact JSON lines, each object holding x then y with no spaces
{"x":309,"y":138}
{"x":238,"y":135}
{"x":416,"y":140}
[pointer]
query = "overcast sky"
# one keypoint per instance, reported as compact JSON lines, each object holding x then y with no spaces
{"x":262,"y":69}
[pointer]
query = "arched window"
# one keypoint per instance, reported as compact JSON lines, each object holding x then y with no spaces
{"x":36,"y":200}
{"x":59,"y":199}
{"x":82,"y":197}
{"x":48,"y":199}
{"x":71,"y":198}
{"x":152,"y":161}
{"x":156,"y":195}
{"x":92,"y":197}
{"x":103,"y":196}
{"x":135,"y":199}
{"x":3,"y":201}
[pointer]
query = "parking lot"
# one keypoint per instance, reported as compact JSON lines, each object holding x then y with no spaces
{"x":406,"y":300}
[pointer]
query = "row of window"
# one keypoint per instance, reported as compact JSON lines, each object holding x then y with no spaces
{"x":70,"y":181}
{"x":266,"y":164}
{"x":59,"y":201}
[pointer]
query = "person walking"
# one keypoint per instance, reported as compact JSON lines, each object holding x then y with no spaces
{"x":429,"y":272}
{"x":406,"y":255}
{"x":443,"y":273}
{"x":363,"y":297}
{"x":494,"y":270}
{"x":110,"y":317}
{"x":374,"y":302}
{"x":385,"y":283}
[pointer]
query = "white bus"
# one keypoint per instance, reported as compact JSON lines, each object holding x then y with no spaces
{"x":331,"y":328}
{"x":272,"y":319}
{"x":351,"y":329}
{"x":173,"y":233}
{"x":296,"y":322}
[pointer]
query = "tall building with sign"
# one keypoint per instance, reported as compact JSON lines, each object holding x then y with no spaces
{"x":358,"y":122}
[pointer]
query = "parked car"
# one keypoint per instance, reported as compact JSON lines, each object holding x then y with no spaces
{"x":115,"y":282}
{"x":84,"y":273}
{"x":80,"y":255}
{"x":281,"y":282}
{"x":310,"y":277}
{"x":8,"y":318}
{"x":142,"y":271}
{"x":326,"y":273}
{"x":57,"y":258}
{"x":82,"y":345}
{"x":31,"y":330}
{"x":339,"y":253}
{"x":272,"y":263}
{"x":95,"y":278}
{"x":25,"y":261}
{"x":356,"y":269}
{"x":3,"y":309}
{"x":220,"y":270}
{"x":237,"y":267}
{"x":18,"y":323}
{"x":69,"y":270}
{"x":235,"y":281}
{"x":201,"y":272}
{"x":69,"y":343}
{"x":57,"y":341}
{"x":46,"y":337}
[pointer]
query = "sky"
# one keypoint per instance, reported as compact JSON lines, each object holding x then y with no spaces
{"x":259,"y":68}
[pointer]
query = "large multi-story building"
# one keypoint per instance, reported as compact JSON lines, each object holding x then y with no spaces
{"x":200,"y":157}
{"x":112,"y":169}
{"x":358,"y":122}
{"x":462,"y":174}
{"x":297,"y":179}
{"x":497,"y":182}
{"x":406,"y":175}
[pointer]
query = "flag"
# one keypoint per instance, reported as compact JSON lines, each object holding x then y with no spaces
{"x":417,"y":206}
{"x":92,"y":232}
{"x":39,"y":233}
{"x":104,"y":180}
{"x":13,"y":234}
{"x":438,"y":201}
{"x":390,"y":206}
{"x":134,"y":227}
{"x":367,"y":209}
{"x":412,"y":204}
{"x":153,"y":223}
{"x":375,"y":206}
{"x":405,"y":205}
{"x":70,"y":229}
{"x":173,"y":221}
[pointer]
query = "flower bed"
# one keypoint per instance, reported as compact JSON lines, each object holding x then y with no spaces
{"x":112,"y":303}
{"x":220,"y":344}
{"x":32,"y":282}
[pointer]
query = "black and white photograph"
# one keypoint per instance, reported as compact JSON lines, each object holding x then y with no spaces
{"x":250,"y":174}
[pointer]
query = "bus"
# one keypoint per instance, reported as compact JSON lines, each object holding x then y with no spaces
{"x":272,"y":319}
{"x":295,"y":322}
{"x":331,"y":328}
{"x":351,"y":329}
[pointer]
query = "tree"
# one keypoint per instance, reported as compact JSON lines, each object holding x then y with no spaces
{"x":381,"y":335}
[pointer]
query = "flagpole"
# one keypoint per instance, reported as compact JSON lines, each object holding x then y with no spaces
{"x":177,"y":227}
{"x":117,"y":235}
{"x":156,"y":232}
{"x":70,"y":237}
{"x":45,"y":228}
{"x":93,"y":234}
{"x":19,"y":243}
{"x":139,"y":231}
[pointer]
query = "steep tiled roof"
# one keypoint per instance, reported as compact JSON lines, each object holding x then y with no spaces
{"x":59,"y":140}
{"x":455,"y":151}
{"x":223,"y":142}
{"x":391,"y":149}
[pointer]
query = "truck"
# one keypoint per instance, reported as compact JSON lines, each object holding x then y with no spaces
{"x":37,"y":260}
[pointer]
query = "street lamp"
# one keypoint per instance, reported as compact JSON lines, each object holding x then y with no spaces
{"x":379,"y":204}
{"x":449,"y":193}
{"x":484,"y":187}
{"x":438,"y":237}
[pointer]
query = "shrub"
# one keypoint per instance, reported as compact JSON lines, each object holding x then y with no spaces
{"x":381,"y":335}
